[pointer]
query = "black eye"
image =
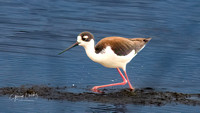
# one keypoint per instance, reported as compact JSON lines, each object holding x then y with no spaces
{"x":84,"y":37}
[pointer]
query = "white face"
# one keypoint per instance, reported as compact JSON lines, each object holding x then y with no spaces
{"x":85,"y":38}
{"x":81,"y":40}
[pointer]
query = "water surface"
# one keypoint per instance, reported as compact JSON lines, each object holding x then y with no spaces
{"x":33,"y":32}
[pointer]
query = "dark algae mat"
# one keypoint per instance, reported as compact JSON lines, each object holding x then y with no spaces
{"x":144,"y":96}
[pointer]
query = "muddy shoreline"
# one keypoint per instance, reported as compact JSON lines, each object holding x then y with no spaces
{"x":144,"y":96}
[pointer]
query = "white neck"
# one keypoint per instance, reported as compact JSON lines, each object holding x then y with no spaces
{"x":90,"y":51}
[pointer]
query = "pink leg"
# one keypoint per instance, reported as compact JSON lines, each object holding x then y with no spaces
{"x":95,"y":88}
{"x":131,"y":87}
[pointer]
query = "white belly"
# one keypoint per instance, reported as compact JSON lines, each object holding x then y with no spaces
{"x":109,"y":59}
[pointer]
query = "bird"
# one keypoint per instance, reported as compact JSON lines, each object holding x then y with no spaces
{"x":111,"y":52}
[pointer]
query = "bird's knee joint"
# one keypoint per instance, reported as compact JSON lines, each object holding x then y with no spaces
{"x":125,"y":81}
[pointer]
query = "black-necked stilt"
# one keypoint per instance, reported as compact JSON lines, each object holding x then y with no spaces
{"x":111,"y":52}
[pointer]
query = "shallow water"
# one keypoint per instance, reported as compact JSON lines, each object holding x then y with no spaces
{"x":46,"y":106}
{"x":33,"y":32}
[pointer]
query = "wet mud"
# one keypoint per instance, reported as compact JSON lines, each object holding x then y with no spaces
{"x":144,"y":96}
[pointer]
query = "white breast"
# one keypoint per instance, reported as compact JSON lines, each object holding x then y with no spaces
{"x":109,"y":59}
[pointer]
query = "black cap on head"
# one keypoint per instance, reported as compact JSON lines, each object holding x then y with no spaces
{"x":86,"y":36}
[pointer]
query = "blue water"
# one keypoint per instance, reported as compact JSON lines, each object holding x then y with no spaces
{"x":33,"y":32}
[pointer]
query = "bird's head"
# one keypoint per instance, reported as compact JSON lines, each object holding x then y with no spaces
{"x":83,"y":39}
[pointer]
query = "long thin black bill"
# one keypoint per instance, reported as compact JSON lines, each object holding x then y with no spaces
{"x":75,"y":44}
